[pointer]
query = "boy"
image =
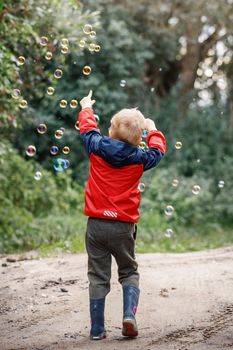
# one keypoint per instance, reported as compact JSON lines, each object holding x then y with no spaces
{"x":112,"y":201}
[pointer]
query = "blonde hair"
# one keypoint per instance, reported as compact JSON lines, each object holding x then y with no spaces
{"x":127,"y":125}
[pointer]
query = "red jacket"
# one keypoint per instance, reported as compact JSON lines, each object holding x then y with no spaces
{"x":115,"y":170}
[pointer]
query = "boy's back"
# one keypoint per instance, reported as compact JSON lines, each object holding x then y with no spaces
{"x":112,"y":200}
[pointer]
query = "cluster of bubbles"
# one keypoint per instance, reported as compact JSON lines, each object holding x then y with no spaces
{"x":61,"y":164}
{"x":64,"y":103}
{"x":88,"y":30}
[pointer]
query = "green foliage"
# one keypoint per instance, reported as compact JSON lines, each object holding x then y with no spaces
{"x":35,"y":212}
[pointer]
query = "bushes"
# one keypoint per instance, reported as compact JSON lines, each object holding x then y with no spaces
{"x":35,"y":212}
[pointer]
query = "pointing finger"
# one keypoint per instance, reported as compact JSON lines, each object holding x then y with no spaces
{"x":90,"y":94}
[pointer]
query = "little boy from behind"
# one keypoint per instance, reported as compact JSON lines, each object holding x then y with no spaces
{"x":112,"y":202}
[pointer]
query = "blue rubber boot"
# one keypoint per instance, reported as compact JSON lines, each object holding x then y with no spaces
{"x":98,"y":331}
{"x":130,"y":299}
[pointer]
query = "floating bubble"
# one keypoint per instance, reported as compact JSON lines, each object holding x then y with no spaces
{"x":221,"y":184}
{"x":196,"y":189}
{"x":92,"y":47}
{"x":123,"y":83}
{"x":178,"y":145}
{"x":65,"y":49}
{"x":16,"y":94}
{"x":142,"y":145}
{"x":23,"y":104}
{"x":42,"y":128}
{"x":66,"y":150}
{"x":168,"y":233}
{"x":54,"y":150}
{"x":169,"y":210}
{"x":65,"y":42}
{"x":58,"y":73}
{"x":97,"y":118}
{"x":87,"y":70}
{"x":175,"y":183}
{"x":152,"y":89}
{"x":87,"y":29}
{"x":48,"y":55}
{"x":92,"y":34}
{"x":73,"y":103}
{"x":62,"y":129}
{"x":63,"y":103}
{"x":77,"y":125}
{"x":50,"y":90}
{"x":67,"y":163}
{"x":97,"y":48}
{"x":59,"y":134}
{"x":82,"y":43}
{"x":141,"y":187}
{"x":144,"y":133}
{"x":21,"y":60}
{"x":59,"y":164}
{"x":43,"y":40}
{"x":31,"y":151}
{"x":38,"y":175}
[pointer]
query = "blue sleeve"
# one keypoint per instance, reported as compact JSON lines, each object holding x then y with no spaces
{"x":91,"y":140}
{"x":151,"y":157}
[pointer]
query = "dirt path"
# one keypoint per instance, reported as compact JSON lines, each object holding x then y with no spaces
{"x":186,"y":303}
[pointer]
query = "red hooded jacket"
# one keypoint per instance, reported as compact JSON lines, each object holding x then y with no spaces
{"x":115,"y":170}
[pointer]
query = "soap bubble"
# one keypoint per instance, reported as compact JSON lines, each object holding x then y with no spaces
{"x":21,"y":60}
{"x":97,"y":118}
{"x":58,"y":73}
{"x":67,"y":163}
{"x":66,"y":150}
{"x":42,"y":128}
{"x":123,"y":83}
{"x":221,"y":184}
{"x":82,"y":43}
{"x":54,"y":150}
{"x":48,"y":55}
{"x":144,"y":133}
{"x":87,"y":29}
{"x":16,"y":94}
{"x":58,"y":134}
{"x":87,"y":70}
{"x":142,"y":145}
{"x":97,"y":48}
{"x":50,"y":90}
{"x":62,"y":129}
{"x":92,"y":47}
{"x":141,"y":187}
{"x":65,"y":49}
{"x":73,"y":103}
{"x":168,"y":233}
{"x":169,"y":210}
{"x":31,"y":151}
{"x":178,"y":145}
{"x":63,"y":103}
{"x":196,"y":189}
{"x":64,"y":42}
{"x":92,"y":34}
{"x":59,"y":164}
{"x":23,"y":104}
{"x":175,"y":183}
{"x":37,"y":175}
{"x":77,"y":125}
{"x":43,"y":40}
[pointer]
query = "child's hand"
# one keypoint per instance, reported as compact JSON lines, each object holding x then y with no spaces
{"x":87,"y":101}
{"x":150,"y":125}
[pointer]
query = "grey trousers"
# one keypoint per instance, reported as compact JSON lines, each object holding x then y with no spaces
{"x":105,"y":238}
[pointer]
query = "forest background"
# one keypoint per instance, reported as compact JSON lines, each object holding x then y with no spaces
{"x":172,"y":60}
